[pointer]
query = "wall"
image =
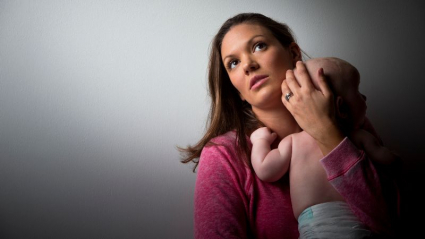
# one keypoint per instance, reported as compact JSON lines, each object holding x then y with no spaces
{"x":96,"y":95}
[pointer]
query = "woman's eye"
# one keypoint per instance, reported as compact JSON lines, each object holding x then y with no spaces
{"x":232,"y":64}
{"x":260,"y":46}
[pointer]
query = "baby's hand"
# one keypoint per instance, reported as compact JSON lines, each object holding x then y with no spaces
{"x":263,"y":133}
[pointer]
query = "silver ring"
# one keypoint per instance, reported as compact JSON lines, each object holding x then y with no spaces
{"x":288,"y":96}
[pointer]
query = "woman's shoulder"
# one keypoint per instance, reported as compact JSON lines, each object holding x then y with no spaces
{"x":226,"y":139}
{"x":224,"y":145}
{"x":221,"y":153}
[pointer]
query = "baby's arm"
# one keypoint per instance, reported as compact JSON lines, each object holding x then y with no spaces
{"x":367,"y":125}
{"x":270,"y":165}
{"x":373,"y":147}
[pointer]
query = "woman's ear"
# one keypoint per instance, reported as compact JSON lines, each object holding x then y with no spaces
{"x":341,"y":108}
{"x":295,"y":52}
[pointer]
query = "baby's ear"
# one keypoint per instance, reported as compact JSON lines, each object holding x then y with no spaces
{"x":341,"y":108}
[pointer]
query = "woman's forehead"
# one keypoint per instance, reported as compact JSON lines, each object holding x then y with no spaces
{"x":242,"y":34}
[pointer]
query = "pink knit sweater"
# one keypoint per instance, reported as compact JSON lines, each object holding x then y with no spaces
{"x":231,"y":202}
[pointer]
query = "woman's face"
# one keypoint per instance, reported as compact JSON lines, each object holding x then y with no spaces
{"x":256,"y":63}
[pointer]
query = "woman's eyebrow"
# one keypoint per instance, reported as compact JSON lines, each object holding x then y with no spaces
{"x":247,"y":43}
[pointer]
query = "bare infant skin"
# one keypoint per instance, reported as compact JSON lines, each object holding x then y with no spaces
{"x":299,"y":155}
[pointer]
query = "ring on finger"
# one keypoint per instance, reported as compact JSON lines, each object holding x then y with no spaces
{"x":288,"y":96}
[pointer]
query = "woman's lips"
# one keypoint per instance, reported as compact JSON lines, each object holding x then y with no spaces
{"x":257,"y":81}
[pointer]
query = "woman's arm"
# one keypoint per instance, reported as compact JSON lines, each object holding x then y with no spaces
{"x":348,"y":169}
{"x":387,"y":164}
{"x":354,"y":176}
{"x":220,"y":201}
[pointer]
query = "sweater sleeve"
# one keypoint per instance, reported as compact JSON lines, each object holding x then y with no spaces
{"x":220,"y":203}
{"x":355,"y":178}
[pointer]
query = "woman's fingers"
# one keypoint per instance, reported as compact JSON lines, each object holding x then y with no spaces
{"x":285,"y":91}
{"x":303,"y":76}
{"x":292,"y":82}
{"x":312,"y":108}
{"x":297,"y":81}
{"x":323,"y":84}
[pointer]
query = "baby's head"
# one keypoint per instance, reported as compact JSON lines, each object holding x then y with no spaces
{"x":343,"y":79}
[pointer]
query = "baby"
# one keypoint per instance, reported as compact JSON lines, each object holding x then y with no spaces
{"x":299,"y":155}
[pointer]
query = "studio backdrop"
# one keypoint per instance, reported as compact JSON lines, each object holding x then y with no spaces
{"x":96,"y":95}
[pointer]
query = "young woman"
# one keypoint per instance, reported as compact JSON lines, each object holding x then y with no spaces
{"x":252,"y":84}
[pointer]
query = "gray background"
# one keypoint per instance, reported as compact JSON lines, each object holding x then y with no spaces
{"x":96,"y":95}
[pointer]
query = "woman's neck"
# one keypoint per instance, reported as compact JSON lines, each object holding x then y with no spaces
{"x":278,"y":120}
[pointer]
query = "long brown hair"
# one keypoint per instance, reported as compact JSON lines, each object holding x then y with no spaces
{"x":228,"y":112}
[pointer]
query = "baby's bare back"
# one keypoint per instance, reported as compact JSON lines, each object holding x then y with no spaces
{"x":308,"y":180}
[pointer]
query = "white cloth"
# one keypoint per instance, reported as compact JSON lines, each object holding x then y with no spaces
{"x":331,"y":220}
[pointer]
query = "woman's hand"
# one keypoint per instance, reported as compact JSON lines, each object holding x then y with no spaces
{"x":314,"y":110}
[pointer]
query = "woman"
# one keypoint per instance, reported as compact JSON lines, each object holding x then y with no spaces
{"x":252,"y":84}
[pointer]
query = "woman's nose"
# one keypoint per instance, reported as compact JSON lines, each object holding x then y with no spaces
{"x":250,"y":66}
